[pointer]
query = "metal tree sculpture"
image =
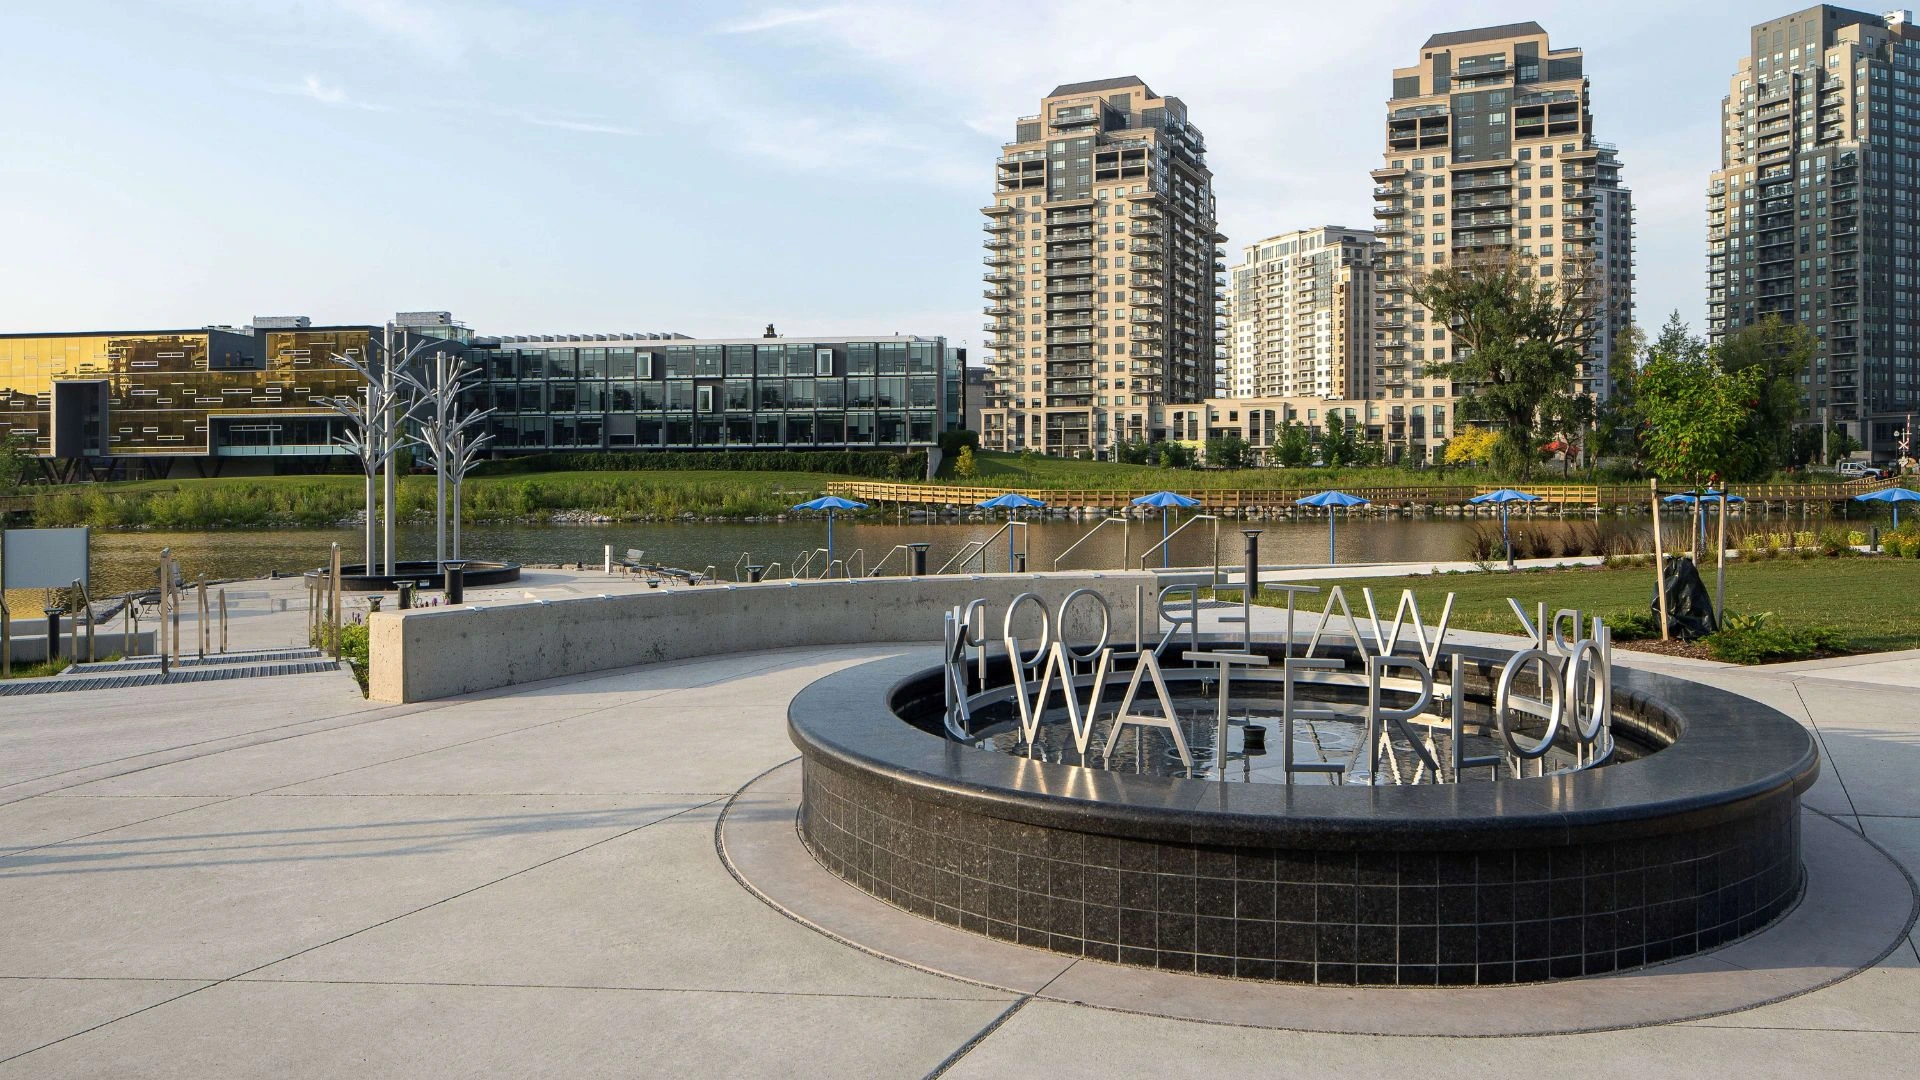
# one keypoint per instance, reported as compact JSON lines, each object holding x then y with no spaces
{"x":378,"y":418}
{"x":446,"y":434}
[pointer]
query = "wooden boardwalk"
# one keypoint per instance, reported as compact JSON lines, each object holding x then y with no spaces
{"x":1582,"y":497}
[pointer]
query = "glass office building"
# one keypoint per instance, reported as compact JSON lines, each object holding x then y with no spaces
{"x":613,"y":394}
{"x":139,"y":402}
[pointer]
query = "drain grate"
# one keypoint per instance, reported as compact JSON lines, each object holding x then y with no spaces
{"x":60,"y":684}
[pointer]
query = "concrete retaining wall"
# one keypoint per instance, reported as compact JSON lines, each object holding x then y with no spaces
{"x":432,"y":653}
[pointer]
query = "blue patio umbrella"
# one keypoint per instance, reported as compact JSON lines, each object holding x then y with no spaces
{"x":1165,"y":501}
{"x":1692,"y":498}
{"x":1009,"y":502}
{"x":830,"y":503}
{"x":1330,"y":500}
{"x":1501,"y":498}
{"x":1896,"y":496}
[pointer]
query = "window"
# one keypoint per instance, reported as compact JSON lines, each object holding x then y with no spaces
{"x":823,"y":361}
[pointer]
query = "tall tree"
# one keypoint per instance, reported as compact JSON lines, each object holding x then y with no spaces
{"x":1694,"y":413}
{"x":1517,"y":338}
{"x":1776,"y":352}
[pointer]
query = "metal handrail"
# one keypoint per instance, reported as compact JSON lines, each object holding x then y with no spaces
{"x":841,"y":563}
{"x":802,"y":560}
{"x":739,"y":562}
{"x":1126,"y":537}
{"x":964,"y":556}
{"x":987,"y":543}
{"x":1145,"y":555}
{"x":897,"y":548}
{"x":711,"y":573}
{"x":846,"y":564}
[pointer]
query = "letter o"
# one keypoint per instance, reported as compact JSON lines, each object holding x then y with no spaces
{"x":1106,"y":623}
{"x":1551,"y":680}
{"x":1013,"y":643}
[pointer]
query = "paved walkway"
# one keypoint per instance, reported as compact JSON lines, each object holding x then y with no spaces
{"x":277,"y":878}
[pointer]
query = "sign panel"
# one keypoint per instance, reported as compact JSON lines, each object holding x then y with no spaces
{"x":43,"y":558}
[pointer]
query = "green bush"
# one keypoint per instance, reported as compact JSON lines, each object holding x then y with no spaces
{"x":1757,"y":639}
{"x":1632,"y":625}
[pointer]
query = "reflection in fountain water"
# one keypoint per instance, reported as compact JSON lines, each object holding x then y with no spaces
{"x":1257,"y":705}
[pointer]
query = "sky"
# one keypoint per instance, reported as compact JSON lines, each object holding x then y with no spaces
{"x":582,"y":167}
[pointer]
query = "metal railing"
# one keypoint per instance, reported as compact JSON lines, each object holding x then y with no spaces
{"x":1145,"y":555}
{"x":888,"y":557}
{"x":966,"y":553}
{"x":1126,"y":538}
{"x":802,"y":560}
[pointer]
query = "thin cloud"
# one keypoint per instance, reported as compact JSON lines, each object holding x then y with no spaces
{"x":592,"y":127}
{"x":780,"y":18}
{"x":316,"y":89}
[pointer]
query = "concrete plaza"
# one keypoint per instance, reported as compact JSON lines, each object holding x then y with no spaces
{"x":276,"y":877}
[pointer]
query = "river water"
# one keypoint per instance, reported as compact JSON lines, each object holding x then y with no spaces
{"x":125,"y":561}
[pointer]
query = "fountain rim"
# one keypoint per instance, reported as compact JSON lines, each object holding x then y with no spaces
{"x":477,"y":573}
{"x":1726,"y":753}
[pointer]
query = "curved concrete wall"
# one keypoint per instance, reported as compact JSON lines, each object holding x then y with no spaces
{"x":432,"y":653}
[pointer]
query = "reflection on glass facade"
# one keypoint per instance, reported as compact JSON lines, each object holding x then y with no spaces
{"x":175,"y":393}
{"x":618,"y":394}
{"x":262,"y":392}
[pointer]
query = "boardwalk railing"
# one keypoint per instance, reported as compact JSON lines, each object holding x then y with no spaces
{"x":1582,"y":496}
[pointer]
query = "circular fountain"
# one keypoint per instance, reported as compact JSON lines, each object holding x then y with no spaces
{"x":1441,"y":815}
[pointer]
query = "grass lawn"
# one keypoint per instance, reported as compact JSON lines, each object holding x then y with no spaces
{"x":1874,"y":602}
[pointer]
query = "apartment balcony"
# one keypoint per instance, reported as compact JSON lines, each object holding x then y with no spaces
{"x":1070,"y":217}
{"x":998,"y":294}
{"x":1149,"y":247}
{"x":1140,"y":262}
{"x":1000,"y":260}
{"x":1065,"y":336}
{"x":1146,"y":229}
{"x":997,"y":225}
{"x":1481,"y":221}
{"x":1067,"y":236}
{"x":1497,"y":197}
{"x":1070,"y":320}
{"x":1081,"y":301}
{"x":1065,"y":288}
{"x":1001,"y":244}
{"x":998,"y":309}
{"x":996,"y":210}
{"x":1389,"y":210}
{"x":998,"y":277}
{"x":1474,"y":182}
{"x":1388,"y":172}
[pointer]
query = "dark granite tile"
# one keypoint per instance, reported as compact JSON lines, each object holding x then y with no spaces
{"x":1419,"y":945}
{"x":1379,"y":905}
{"x":1176,"y":933}
{"x":1253,"y":864}
{"x":1565,"y":937}
{"x":1213,"y":896}
{"x":1494,"y":943}
{"x":1174,"y":893}
{"x":1334,"y":904}
{"x":1139,"y":957}
{"x":1334,"y":867}
{"x":1531,"y":971}
{"x":1456,"y":868}
{"x":1101,"y":950}
{"x":1295,"y":941}
{"x":1174,"y":961}
{"x":1420,"y":905}
{"x":1066,"y":919}
{"x":1293,"y":971}
{"x":1295,"y":866}
{"x":1245,"y":968}
{"x":1494,"y":868}
{"x":1253,"y":900}
{"x":1334,"y":944}
{"x":1214,"y":936}
{"x":1456,"y":904}
{"x":1066,"y":879}
{"x":1136,"y":855}
{"x":1035,"y":874}
{"x":1419,"y":975}
{"x":1376,"y":945}
{"x":1336,"y":974}
{"x":1139,"y":929}
{"x":1493,"y":903}
{"x":1139,"y":890}
{"x":1253,"y":938}
{"x":1458,"y":944}
{"x":1204,"y":964}
{"x":1213,"y":862}
{"x":1377,"y":975}
{"x":1418,"y":868}
{"x":1565,"y":967}
{"x":1457,"y":974}
{"x":1100,"y":922}
{"x":1377,"y":868}
{"x":1173,"y":859}
{"x":1566,"y":898}
{"x":1294,"y":901}
{"x":1100,"y":885}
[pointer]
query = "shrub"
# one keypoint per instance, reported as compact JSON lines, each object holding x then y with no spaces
{"x":1835,"y":543}
{"x":1632,"y":625}
{"x":1757,"y":639}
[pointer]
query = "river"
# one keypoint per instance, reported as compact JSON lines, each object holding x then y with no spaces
{"x":125,"y":561}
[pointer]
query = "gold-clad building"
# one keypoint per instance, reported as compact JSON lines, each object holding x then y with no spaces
{"x":1103,"y":267}
{"x":159,"y":395}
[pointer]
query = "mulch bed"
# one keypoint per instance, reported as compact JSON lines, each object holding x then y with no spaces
{"x":1691,"y":649}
